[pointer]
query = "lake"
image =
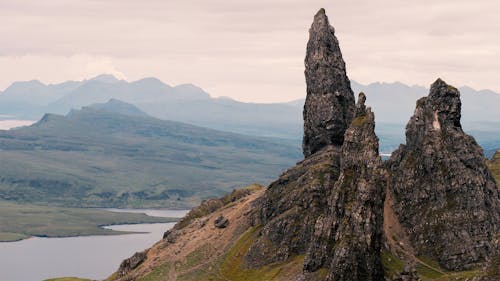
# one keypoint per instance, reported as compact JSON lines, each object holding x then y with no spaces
{"x":93,"y":257}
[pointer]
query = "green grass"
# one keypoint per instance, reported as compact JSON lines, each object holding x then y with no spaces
{"x":427,"y":273}
{"x":494,"y":166}
{"x":232,"y":266}
{"x":196,"y":257}
{"x":20,"y":221}
{"x":392,"y":264}
{"x":158,"y":274}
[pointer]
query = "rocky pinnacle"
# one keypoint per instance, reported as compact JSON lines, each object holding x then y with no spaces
{"x":444,"y":193}
{"x":329,"y":105}
{"x":348,"y":239}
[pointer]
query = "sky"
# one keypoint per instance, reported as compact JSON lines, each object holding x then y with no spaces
{"x":248,"y":50}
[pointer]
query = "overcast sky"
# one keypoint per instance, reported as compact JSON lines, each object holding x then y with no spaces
{"x":248,"y":50}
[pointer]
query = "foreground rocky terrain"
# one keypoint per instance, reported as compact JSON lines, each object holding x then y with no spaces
{"x":429,"y":213}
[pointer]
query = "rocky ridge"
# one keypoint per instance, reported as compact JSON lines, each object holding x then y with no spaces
{"x":429,"y":212}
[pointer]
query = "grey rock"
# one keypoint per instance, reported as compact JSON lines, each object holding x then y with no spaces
{"x":131,"y":263}
{"x":348,"y":240}
{"x":221,"y":222}
{"x":444,"y":193}
{"x":329,"y":105}
{"x":329,"y":206}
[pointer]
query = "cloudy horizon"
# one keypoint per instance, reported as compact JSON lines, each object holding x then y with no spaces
{"x":249,"y":51}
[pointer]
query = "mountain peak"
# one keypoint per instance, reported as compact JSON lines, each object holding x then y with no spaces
{"x":329,"y":105}
{"x":105,"y":78}
{"x":119,"y":107}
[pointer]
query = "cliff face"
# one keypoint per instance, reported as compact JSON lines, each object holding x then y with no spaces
{"x":329,"y":105}
{"x":328,"y":208}
{"x":348,"y":238}
{"x":443,"y":191}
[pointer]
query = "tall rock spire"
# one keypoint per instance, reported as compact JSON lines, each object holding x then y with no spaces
{"x":348,"y":239}
{"x":329,"y":105}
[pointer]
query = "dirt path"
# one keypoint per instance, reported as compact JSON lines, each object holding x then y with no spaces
{"x":397,"y":239}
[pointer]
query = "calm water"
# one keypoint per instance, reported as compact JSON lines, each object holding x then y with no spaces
{"x":94,"y":257}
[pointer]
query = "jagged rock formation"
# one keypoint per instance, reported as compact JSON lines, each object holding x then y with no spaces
{"x":293,"y":204}
{"x":323,"y":219}
{"x":329,"y":105}
{"x":444,"y":194}
{"x":336,"y":222}
{"x":347,"y":241}
{"x":288,"y":212}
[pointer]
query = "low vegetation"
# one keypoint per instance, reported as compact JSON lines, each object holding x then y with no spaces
{"x":20,"y":221}
{"x":96,"y":158}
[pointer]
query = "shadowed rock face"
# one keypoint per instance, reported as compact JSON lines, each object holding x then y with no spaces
{"x":348,"y":240}
{"x":336,"y":222}
{"x":444,"y":194}
{"x":329,"y":105}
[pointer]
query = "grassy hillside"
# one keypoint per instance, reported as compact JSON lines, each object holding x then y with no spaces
{"x":20,"y":221}
{"x":494,"y":165}
{"x":95,"y":157}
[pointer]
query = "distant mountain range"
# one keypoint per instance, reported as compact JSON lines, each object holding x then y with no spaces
{"x":113,"y":154}
{"x":392,"y":103}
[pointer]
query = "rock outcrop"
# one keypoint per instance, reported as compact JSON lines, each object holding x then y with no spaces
{"x":292,"y":205}
{"x":323,"y":219}
{"x":329,"y":207}
{"x":221,"y":222}
{"x":329,"y":105}
{"x":347,"y":241}
{"x":444,"y":194}
{"x":132,"y":263}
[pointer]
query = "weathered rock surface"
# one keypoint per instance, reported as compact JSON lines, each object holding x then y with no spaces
{"x":444,"y":194}
{"x":409,"y":274}
{"x":288,"y":211}
{"x":221,"y":222}
{"x":336,"y":222}
{"x":131,"y":263}
{"x":329,"y":105}
{"x":347,"y":241}
{"x":328,"y":208}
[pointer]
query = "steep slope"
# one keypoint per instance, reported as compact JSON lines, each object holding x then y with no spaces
{"x":443,"y":192}
{"x":99,"y":156}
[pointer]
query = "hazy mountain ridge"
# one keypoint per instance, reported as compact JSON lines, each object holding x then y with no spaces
{"x":98,"y":157}
{"x":393,"y":102}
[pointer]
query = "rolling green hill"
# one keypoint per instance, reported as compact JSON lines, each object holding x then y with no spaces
{"x":98,"y":157}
